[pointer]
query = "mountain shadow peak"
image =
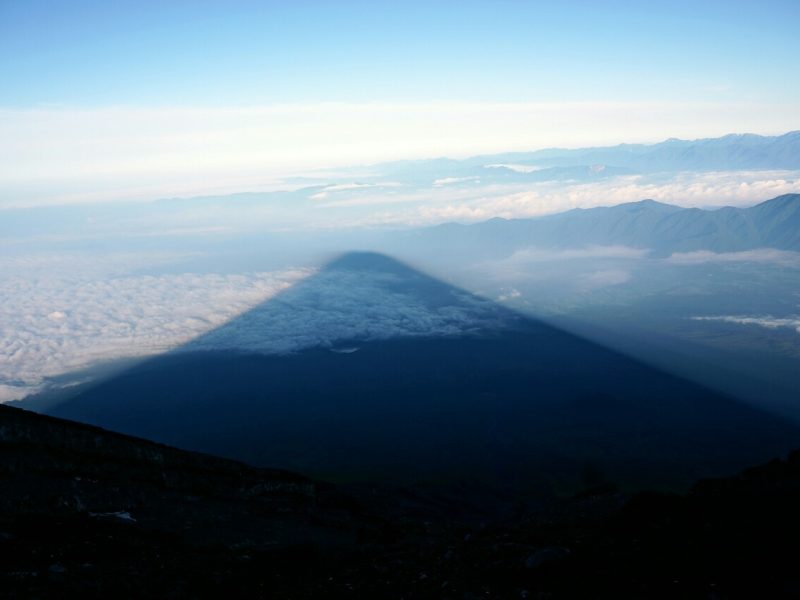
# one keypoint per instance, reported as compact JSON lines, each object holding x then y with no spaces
{"x":369,"y":371}
{"x":356,"y":297}
{"x":367,"y":261}
{"x":648,"y":204}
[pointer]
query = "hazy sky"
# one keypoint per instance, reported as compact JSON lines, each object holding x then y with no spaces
{"x":138,"y":99}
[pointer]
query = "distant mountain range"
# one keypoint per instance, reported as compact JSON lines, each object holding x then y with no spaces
{"x":651,"y":225}
{"x":399,"y":378}
{"x":731,"y":152}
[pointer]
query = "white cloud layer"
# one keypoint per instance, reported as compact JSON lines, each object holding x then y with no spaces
{"x":50,"y":326}
{"x":705,"y":190}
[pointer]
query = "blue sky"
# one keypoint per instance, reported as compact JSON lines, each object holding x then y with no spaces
{"x":244,"y":53}
{"x":99,"y":94}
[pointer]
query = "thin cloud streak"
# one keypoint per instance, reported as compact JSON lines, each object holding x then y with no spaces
{"x":785,"y":258}
{"x":767,"y":321}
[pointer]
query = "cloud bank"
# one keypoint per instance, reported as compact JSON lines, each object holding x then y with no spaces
{"x":705,"y":190}
{"x":50,"y":326}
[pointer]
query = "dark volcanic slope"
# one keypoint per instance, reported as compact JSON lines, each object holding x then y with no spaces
{"x":91,"y":514}
{"x":98,"y":514}
{"x":57,"y":467}
{"x":487,"y":397}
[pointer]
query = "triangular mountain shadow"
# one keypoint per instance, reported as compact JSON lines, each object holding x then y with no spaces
{"x":358,"y":297}
{"x":388,"y":375}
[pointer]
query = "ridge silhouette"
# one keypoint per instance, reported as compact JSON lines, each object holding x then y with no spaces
{"x":487,"y":397}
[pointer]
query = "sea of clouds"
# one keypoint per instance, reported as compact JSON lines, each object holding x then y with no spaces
{"x":62,"y":314}
{"x":353,"y":305}
{"x":51,"y":324}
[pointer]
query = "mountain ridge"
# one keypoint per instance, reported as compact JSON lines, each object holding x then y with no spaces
{"x":728,"y":152}
{"x":647,"y":224}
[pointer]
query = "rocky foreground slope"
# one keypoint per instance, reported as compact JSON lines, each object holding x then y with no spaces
{"x":87,"y":512}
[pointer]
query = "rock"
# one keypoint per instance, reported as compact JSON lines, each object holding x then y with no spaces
{"x":549,"y":555}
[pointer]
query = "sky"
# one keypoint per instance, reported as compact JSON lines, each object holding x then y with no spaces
{"x":101,"y":101}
